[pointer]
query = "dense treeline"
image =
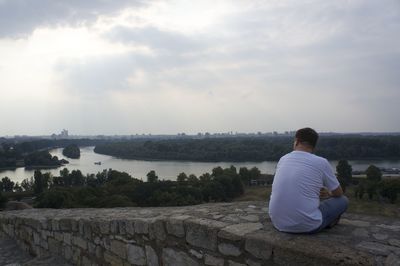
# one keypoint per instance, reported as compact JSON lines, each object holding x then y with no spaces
{"x":252,"y":149}
{"x":33,"y":152}
{"x":72,"y":151}
{"x":112,"y":188}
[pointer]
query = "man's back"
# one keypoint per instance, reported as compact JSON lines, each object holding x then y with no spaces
{"x":295,"y":191}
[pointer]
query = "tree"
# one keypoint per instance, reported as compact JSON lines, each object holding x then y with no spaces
{"x":77,"y":179}
{"x":192,"y":179}
{"x":373,"y":173}
{"x":344,"y":171}
{"x":39,"y":182}
{"x":182,"y":177}
{"x":206,"y":177}
{"x":217,"y":171}
{"x":254,"y":173}
{"x":244,"y":175}
{"x":390,"y":189}
{"x":27,"y":184}
{"x":152,"y":177}
{"x":17,"y":187}
{"x":72,"y":151}
{"x":7,"y":185}
{"x":3,"y":200}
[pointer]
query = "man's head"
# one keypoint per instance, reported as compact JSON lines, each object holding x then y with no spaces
{"x":306,"y":138}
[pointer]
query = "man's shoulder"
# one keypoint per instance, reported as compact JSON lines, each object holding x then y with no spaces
{"x":306,"y":155}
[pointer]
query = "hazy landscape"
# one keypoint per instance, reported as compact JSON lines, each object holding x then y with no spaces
{"x":172,"y":102}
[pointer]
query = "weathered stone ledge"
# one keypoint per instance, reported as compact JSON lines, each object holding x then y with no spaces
{"x":233,"y":234}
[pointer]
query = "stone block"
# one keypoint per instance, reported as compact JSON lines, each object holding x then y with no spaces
{"x":86,"y":261}
{"x":58,"y":236}
{"x":54,"y":246}
{"x":375,"y":248}
{"x":171,"y":257}
{"x":175,"y":225}
{"x":36,"y":238}
{"x":151,"y":256}
{"x":114,"y":227}
{"x":213,"y":261}
{"x":80,"y":242}
{"x":76,"y":255}
{"x":229,"y":250}
{"x":250,"y":262}
{"x":65,"y":224}
{"x":130,"y":227}
{"x":74,"y":225}
{"x":157,"y":230}
{"x":234,"y":263}
{"x":237,"y":231}
{"x":392,"y":260}
{"x":394,"y":242}
{"x":112,"y":259}
{"x":99,"y":252}
{"x":196,"y":254}
{"x":44,"y":244}
{"x":103,"y":227}
{"x":141,"y":226}
{"x":203,"y":233}
{"x":67,"y":252}
{"x":67,"y":238}
{"x":87,"y":230}
{"x":257,"y":244}
{"x":54,"y":225}
{"x":118,"y":247}
{"x":136,"y":255}
{"x":122,"y":227}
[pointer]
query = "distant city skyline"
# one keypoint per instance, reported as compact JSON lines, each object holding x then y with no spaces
{"x":162,"y":67}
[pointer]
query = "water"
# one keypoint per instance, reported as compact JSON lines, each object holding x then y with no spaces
{"x":164,"y":169}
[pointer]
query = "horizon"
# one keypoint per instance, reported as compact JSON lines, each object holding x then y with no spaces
{"x":163,"y":67}
{"x":202,"y":134}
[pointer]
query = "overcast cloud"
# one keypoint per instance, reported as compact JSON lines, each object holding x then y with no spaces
{"x":126,"y":67}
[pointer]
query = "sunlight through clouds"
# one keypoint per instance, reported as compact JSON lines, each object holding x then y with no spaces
{"x":173,"y":66}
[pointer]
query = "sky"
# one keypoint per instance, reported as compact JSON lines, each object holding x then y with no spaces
{"x":164,"y":67}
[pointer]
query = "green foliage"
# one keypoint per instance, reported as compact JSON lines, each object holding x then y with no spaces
{"x":373,"y":173}
{"x":42,"y":159}
{"x":41,"y":181}
{"x":152,"y":177}
{"x":344,"y":171}
{"x":3,"y":200}
{"x":241,"y":149}
{"x":182,"y":177}
{"x":390,"y":189}
{"x":6,"y":185}
{"x":112,"y":188}
{"x":27,"y":184}
{"x":72,"y":151}
{"x":56,"y":198}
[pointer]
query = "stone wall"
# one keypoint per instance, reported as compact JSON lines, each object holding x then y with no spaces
{"x":231,"y":234}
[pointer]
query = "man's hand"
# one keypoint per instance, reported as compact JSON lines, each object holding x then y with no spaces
{"x":324,"y":193}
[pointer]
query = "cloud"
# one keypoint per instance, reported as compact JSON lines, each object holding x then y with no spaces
{"x":250,"y":66}
{"x":18,"y":18}
{"x":159,"y":40}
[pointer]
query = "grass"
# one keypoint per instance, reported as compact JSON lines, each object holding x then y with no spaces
{"x":360,"y":206}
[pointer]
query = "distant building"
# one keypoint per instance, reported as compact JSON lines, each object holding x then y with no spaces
{"x":62,"y":135}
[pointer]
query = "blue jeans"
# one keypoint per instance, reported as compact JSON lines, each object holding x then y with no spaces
{"x":331,"y":210}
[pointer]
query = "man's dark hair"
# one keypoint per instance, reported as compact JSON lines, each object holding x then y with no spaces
{"x":307,"y":136}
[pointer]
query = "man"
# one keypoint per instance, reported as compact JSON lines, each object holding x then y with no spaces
{"x":301,"y":179}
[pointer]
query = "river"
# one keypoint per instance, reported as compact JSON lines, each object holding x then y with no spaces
{"x":164,"y":169}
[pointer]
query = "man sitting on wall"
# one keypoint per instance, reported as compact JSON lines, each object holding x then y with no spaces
{"x":301,"y":179}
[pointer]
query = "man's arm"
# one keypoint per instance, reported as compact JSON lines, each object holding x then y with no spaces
{"x":337,"y":192}
{"x":325,"y":193}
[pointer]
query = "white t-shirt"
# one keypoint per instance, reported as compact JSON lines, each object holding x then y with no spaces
{"x":294,"y":202}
